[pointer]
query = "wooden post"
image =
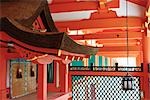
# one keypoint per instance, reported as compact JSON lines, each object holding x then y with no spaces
{"x":42,"y":77}
{"x":3,"y":67}
{"x":42,"y":82}
{"x":146,"y":60}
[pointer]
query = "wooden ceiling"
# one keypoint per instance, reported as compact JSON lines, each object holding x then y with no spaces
{"x":104,"y":25}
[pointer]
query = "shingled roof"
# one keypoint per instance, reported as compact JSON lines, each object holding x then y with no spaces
{"x":17,"y":17}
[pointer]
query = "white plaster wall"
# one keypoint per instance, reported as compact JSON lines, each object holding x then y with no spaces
{"x":68,"y":16}
{"x":133,"y":9}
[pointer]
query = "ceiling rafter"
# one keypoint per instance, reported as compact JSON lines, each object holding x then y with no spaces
{"x":72,"y":5}
{"x":131,"y":42}
{"x":120,"y":48}
{"x":119,"y":53}
{"x":62,"y":1}
{"x":148,"y":5}
{"x":139,"y":2}
{"x":111,"y":23}
{"x":107,"y":35}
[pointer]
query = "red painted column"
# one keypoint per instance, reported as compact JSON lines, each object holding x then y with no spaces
{"x":146,"y":60}
{"x":138,"y":60}
{"x":42,"y":82}
{"x":54,"y":87}
{"x":3,"y":67}
{"x":69,"y":82}
{"x":64,"y":74}
{"x":66,"y":78}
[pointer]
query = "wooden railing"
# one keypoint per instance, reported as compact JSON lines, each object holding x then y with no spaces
{"x":107,"y":68}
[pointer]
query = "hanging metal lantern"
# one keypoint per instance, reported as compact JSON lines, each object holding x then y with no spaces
{"x":19,"y":71}
{"x":32,"y":70}
{"x":32,"y":74}
{"x":127,"y":82}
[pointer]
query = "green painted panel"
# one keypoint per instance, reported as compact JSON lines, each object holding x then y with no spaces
{"x":100,"y":60}
{"x":77,"y":63}
{"x":106,"y":61}
{"x":50,"y":73}
{"x":91,"y":60}
{"x":77,"y":78}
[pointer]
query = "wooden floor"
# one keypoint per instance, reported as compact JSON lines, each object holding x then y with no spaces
{"x":33,"y":96}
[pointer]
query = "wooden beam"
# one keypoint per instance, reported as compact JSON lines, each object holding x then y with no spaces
{"x":115,"y":42}
{"x":72,"y":5}
{"x":107,"y":73}
{"x":118,"y":53}
{"x":108,"y":35}
{"x":62,"y":1}
{"x":111,"y":23}
{"x":148,"y":5}
{"x":120,"y":48}
{"x":139,"y":2}
{"x":112,"y":41}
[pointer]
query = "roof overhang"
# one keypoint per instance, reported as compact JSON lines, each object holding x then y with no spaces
{"x":17,"y":28}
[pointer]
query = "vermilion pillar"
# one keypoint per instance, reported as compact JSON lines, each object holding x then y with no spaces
{"x":66,"y":78}
{"x":138,"y":60}
{"x":42,"y":76}
{"x":42,"y":82}
{"x":3,"y":64}
{"x":146,"y":60}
